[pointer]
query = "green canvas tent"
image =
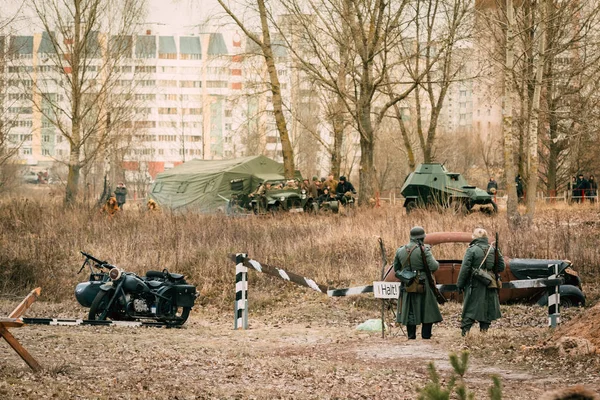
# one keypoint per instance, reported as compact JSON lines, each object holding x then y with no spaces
{"x":204,"y":185}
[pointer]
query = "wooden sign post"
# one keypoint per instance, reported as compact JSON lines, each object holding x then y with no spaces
{"x":14,"y":321}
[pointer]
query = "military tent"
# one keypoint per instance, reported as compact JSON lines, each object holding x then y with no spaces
{"x":205,"y":185}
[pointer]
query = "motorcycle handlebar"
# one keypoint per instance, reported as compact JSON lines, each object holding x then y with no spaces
{"x":99,"y":262}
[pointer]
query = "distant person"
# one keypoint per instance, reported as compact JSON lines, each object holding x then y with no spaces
{"x":331,"y":183}
{"x":492,"y":186}
{"x":121,"y":193}
{"x":313,"y":188}
{"x":581,"y":187}
{"x":419,"y":307}
{"x":480,"y":303}
{"x":592,"y":189}
{"x":152,"y":205}
{"x":344,"y":190}
{"x":519,"y":185}
{"x":111,"y":207}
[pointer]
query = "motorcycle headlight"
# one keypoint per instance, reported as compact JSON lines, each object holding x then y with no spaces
{"x":282,"y":198}
{"x":303,"y":191}
{"x":115,"y":274}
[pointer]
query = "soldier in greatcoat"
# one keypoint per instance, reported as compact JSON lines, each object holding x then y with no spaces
{"x":480,"y":303}
{"x":417,"y":308}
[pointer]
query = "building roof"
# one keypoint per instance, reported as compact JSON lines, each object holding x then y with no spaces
{"x":21,"y":45}
{"x":122,"y":45}
{"x":145,"y":46}
{"x":46,"y":44}
{"x":166,"y":45}
{"x":190,"y":45}
{"x":216,"y":45}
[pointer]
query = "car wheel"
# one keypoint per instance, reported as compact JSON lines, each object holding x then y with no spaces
{"x":568,"y":301}
{"x":410,"y":206}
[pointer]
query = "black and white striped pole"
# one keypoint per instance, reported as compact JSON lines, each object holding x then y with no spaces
{"x":553,"y":298}
{"x":241,"y":292}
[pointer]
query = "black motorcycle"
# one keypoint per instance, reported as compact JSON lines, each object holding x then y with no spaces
{"x":114,"y":294}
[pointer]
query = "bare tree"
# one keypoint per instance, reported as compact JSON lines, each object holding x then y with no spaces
{"x":81,"y":92}
{"x":265,"y":43}
{"x":9,"y":143}
{"x":443,"y":31}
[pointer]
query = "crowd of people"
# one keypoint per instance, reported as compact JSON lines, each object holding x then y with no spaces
{"x":320,"y":190}
{"x":581,"y":188}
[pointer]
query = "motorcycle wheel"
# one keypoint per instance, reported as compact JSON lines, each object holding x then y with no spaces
{"x":98,"y":306}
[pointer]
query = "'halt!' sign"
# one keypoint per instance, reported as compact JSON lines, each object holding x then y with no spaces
{"x":386,"y":290}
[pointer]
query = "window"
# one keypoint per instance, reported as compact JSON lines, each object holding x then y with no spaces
{"x":236,"y":72}
{"x":143,"y":110}
{"x":147,"y":83}
{"x":167,"y":138}
{"x":145,"y":124}
{"x":145,"y":96}
{"x":46,"y":152}
{"x":237,"y":185}
{"x":27,"y":151}
{"x":216,"y":84}
{"x":190,"y":84}
{"x":46,"y":138}
{"x":227,"y":127}
{"x":20,"y":110}
{"x":182,"y":187}
{"x":190,"y":56}
{"x":168,"y":83}
{"x":172,"y":97}
{"x":168,"y":70}
{"x":149,"y":69}
{"x":157,"y":187}
{"x":191,"y":111}
{"x":228,"y":113}
{"x":167,"y":124}
{"x":195,"y":138}
{"x":167,"y":110}
{"x":19,"y":96}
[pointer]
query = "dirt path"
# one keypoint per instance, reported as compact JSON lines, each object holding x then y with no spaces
{"x":313,"y":353}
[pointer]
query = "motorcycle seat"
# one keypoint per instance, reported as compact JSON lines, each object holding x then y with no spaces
{"x":155,"y":284}
{"x":161,"y":275}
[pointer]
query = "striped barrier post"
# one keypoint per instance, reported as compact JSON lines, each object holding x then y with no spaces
{"x":241,"y":293}
{"x":242,"y":264}
{"x":553,"y":298}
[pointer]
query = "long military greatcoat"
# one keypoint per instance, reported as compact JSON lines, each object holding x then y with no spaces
{"x":480,"y":303}
{"x":417,"y":308}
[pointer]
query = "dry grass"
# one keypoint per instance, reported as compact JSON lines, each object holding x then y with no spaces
{"x":40,"y":243}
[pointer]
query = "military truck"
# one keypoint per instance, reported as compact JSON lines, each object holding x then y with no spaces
{"x":280,"y":195}
{"x":432,"y":185}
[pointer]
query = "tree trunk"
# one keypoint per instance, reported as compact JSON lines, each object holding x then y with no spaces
{"x":286,"y":145}
{"x":534,"y":116}
{"x":512,"y":212}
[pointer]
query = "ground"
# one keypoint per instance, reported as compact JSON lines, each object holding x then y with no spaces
{"x":303,"y":347}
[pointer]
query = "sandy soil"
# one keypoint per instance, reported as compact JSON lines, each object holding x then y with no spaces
{"x":307,"y":349}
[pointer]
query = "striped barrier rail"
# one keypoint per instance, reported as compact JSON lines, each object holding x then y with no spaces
{"x":77,"y":322}
{"x":244,"y":263}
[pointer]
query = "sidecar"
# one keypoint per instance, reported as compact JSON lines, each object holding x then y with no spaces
{"x":86,"y":292}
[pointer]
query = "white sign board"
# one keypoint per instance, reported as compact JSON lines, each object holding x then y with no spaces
{"x":386,"y":290}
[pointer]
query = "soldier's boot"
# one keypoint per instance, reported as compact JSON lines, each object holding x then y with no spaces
{"x":484,"y":326}
{"x":411,"y":331}
{"x":426,"y":331}
{"x":464,"y":331}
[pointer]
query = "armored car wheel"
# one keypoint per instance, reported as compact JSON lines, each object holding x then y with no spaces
{"x":410,"y":206}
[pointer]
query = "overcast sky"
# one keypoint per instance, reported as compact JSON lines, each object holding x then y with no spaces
{"x":169,"y":15}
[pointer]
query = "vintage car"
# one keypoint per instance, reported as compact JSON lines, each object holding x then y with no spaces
{"x":281,"y":196}
{"x":516,"y":269}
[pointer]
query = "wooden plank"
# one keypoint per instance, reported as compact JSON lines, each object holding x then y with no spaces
{"x":14,"y":343}
{"x":26,"y":303}
{"x":11,"y":322}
